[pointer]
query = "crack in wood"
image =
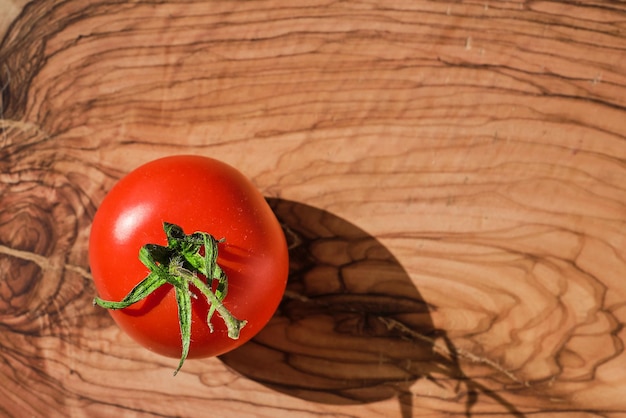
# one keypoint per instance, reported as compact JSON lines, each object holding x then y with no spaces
{"x":439,"y":348}
{"x":44,"y":262}
{"x":446,"y":351}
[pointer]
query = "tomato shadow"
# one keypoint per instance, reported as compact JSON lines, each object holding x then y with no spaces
{"x":352,"y":327}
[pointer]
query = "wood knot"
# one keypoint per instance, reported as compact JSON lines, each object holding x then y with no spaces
{"x":39,"y":223}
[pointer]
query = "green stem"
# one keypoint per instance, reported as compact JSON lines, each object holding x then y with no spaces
{"x":183,"y":300}
{"x":180,"y":264}
{"x":233,"y":324}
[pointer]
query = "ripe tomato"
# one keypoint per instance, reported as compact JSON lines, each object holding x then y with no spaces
{"x":197,"y":194}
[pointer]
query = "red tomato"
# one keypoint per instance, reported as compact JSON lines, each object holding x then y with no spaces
{"x":198,"y":194}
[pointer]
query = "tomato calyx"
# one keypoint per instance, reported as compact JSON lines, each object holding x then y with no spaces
{"x":181,"y":264}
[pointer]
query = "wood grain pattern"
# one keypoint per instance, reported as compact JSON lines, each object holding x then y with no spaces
{"x":469,"y":156}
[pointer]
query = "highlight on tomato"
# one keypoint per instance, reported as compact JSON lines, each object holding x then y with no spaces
{"x":188,"y":257}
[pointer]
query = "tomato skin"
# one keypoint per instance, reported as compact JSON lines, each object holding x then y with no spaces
{"x":198,"y":194}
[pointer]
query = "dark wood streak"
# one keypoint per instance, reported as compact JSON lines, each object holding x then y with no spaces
{"x":480,"y":147}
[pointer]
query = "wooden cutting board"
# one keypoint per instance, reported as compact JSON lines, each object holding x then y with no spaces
{"x":451,"y":174}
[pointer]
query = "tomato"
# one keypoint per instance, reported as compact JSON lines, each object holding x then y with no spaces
{"x":197,"y":194}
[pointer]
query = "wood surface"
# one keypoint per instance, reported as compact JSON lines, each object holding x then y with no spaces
{"x":451,"y":176}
